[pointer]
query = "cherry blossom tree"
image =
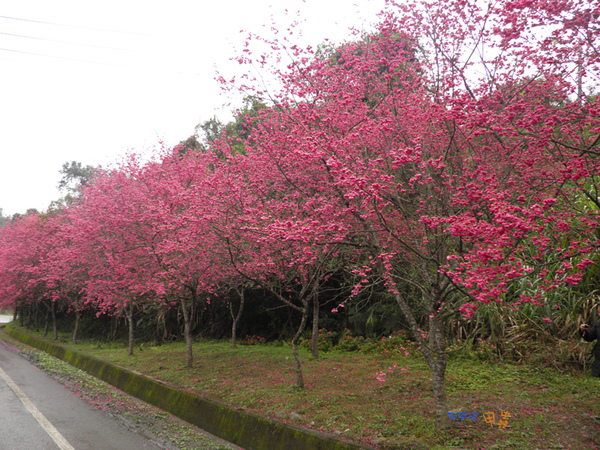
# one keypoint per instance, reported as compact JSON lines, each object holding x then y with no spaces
{"x":66,"y":270}
{"x":24,"y":244}
{"x":107,"y":226}
{"x":180,"y":205}
{"x":274,"y":227}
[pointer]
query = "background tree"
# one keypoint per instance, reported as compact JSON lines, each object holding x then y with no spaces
{"x":24,"y":244}
{"x":107,"y":225}
{"x":180,"y":208}
{"x":75,"y":176}
{"x":236,"y":132}
{"x":67,"y":271}
{"x":3,"y":219}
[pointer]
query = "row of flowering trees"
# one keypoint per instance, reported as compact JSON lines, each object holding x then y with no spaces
{"x":453,"y":150}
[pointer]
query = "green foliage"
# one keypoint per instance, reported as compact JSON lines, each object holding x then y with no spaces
{"x":252,"y":340}
{"x":190,"y":145}
{"x":375,"y":313}
{"x":375,"y":316}
{"x":236,"y":132}
{"x":350,"y":343}
{"x":75,"y":176}
{"x":210,"y":130}
{"x":396,"y":344}
{"x":3,"y":219}
{"x":324,"y":341}
{"x":473,"y":350}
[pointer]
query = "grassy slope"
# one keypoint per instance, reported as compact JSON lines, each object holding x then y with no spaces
{"x":548,"y":409}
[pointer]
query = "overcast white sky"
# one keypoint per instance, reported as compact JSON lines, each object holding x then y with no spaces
{"x":89,"y":80}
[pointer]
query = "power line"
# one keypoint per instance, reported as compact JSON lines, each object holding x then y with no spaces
{"x":73,"y":26}
{"x":179,"y":72}
{"x":67,"y":42}
{"x":66,"y":58}
{"x":74,"y":59}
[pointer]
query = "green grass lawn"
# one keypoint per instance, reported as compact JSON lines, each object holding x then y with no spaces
{"x":346,"y":394}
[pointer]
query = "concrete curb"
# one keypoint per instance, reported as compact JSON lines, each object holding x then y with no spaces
{"x":249,"y":431}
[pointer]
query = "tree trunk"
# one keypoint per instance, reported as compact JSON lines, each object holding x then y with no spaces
{"x":435,"y":358}
{"x":187,"y":326}
{"x":236,"y":319}
{"x":129,"y":313}
{"x":299,"y":376}
{"x":54,"y":328}
{"x":113,"y":327}
{"x":77,"y":321}
{"x":37,"y":322}
{"x":315,"y":326}
{"x":46,"y":324}
{"x":438,"y":372}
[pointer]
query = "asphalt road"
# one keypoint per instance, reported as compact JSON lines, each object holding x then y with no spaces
{"x":38,"y":413}
{"x":5,"y":318}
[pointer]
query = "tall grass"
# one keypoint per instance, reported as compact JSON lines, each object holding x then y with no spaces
{"x":525,"y":332}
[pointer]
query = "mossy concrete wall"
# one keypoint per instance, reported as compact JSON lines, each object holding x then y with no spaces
{"x":249,"y":431}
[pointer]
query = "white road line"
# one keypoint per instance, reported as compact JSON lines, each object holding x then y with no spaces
{"x":46,"y":425}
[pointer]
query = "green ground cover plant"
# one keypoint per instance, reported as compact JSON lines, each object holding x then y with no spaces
{"x":381,"y":395}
